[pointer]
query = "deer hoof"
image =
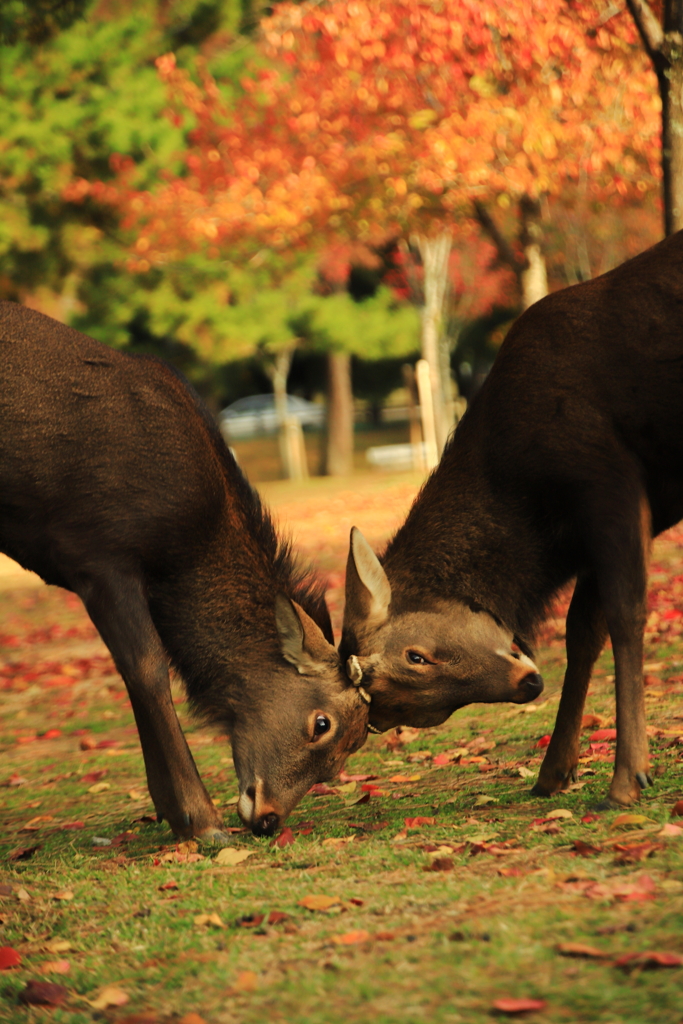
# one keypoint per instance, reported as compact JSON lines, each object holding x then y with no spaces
{"x":215,"y":836}
{"x":644,"y":780}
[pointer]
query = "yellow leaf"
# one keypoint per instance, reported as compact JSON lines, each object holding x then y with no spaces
{"x":99,"y":787}
{"x":111,"y":995}
{"x":319,"y":902}
{"x":202,"y":920}
{"x":135,"y":794}
{"x":422,"y":119}
{"x":348,"y":787}
{"x":560,"y":812}
{"x":58,"y":945}
{"x":63,"y":894}
{"x":22,"y":895}
{"x":229,"y":856}
{"x":629,"y":819}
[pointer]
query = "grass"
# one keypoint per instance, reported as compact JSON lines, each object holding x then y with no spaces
{"x":179,"y":934}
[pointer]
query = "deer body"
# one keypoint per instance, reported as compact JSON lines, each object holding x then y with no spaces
{"x":567,"y":463}
{"x":116,"y":484}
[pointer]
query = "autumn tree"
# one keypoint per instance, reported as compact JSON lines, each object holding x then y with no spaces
{"x":661,"y":29}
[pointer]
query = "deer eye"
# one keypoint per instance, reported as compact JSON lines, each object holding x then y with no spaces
{"x":416,"y":659}
{"x":321,"y":726}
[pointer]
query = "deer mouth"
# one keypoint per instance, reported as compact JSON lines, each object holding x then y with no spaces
{"x":257,"y":814}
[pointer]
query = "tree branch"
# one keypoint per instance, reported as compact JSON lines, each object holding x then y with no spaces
{"x":505,"y":252}
{"x":649,"y":28}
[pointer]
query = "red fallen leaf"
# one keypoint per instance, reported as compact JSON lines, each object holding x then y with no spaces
{"x":385,"y":936}
{"x":250,"y":920}
{"x":51,"y":734}
{"x":286,"y":838}
{"x":543,"y":741}
{"x":43,"y":993}
{"x":26,"y":739}
{"x":344,"y":777}
{"x":9,"y":958}
{"x":277,"y":917}
{"x":585,"y":849}
{"x":590,"y":817}
{"x":370,"y":787}
{"x":417,"y":822}
{"x":23,"y":852}
{"x":511,"y":872}
{"x":73,"y":825}
{"x":603,"y":734}
{"x":631,"y":853}
{"x":94,"y":776}
{"x":357,"y":901}
{"x":519,"y":1005}
{"x":123,"y":838}
{"x":151,"y":819}
{"x":171,"y":884}
{"x":106,"y":744}
{"x":677,"y":809}
{"x":442,"y":759}
{"x":440,"y":864}
{"x":322,"y":789}
{"x":16,"y":780}
{"x":649,"y":959}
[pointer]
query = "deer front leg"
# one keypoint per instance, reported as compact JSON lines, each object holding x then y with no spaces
{"x":586,"y":634}
{"x":118,"y":608}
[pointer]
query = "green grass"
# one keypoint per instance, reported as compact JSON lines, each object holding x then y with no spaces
{"x":441,"y":946}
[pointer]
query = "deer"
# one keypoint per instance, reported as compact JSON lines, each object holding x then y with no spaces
{"x":116,"y":484}
{"x":564,"y":467}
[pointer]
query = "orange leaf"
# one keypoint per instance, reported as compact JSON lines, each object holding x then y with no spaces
{"x":416,"y":822}
{"x":519,"y":1005}
{"x":351,"y":938}
{"x":319,"y":902}
{"x":581,"y":949}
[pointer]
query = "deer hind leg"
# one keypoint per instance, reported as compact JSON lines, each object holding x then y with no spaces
{"x":586,"y":635}
{"x":118,"y":608}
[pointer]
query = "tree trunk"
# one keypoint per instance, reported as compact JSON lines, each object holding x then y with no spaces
{"x":339,"y":452}
{"x":533,"y":278}
{"x":435,"y":253}
{"x":423,"y":377}
{"x":290,"y":434}
{"x":664,"y":45}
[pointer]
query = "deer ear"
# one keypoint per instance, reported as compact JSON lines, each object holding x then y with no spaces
{"x":301,"y":641}
{"x":368,"y":592}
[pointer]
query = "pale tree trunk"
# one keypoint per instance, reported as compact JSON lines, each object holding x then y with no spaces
{"x":435,"y":254}
{"x":423,"y":377}
{"x":339,"y":448}
{"x":533,"y":278}
{"x":290,"y":434}
{"x":664,"y":45}
{"x":530,"y":270}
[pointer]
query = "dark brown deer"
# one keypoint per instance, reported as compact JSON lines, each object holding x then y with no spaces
{"x":568,"y":462}
{"x":116,"y":484}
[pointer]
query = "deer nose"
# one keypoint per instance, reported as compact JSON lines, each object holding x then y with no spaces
{"x":532,"y":684}
{"x":265,"y":825}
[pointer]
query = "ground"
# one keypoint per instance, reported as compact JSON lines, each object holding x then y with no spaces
{"x":427,"y":885}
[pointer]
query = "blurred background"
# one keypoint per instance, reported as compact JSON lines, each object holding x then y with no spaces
{"x":326,"y":215}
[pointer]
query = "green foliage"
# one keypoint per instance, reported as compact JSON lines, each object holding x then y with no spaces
{"x":37,"y":20}
{"x":68,"y":106}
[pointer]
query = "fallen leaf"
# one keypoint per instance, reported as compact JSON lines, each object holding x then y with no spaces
{"x":543,"y":741}
{"x":525,"y":773}
{"x":603,"y":735}
{"x":229,"y":856}
{"x":43,"y":993}
{"x":440,"y":864}
{"x":189,"y":1018}
{"x":55,"y":967}
{"x":629,"y":819}
{"x":351,"y":938}
{"x":202,"y":920}
{"x":344,"y":777}
{"x":246,"y":981}
{"x":250,"y":920}
{"x":585,"y":849}
{"x":171,"y":884}
{"x":671,"y":830}
{"x":63,"y":894}
{"x":94,"y":776}
{"x":481,"y":801}
{"x":519,"y":1005}
{"x":99,"y":787}
{"x":418,"y":822}
{"x":631,"y":853}
{"x":58,"y":945}
{"x":338,"y":840}
{"x":22,"y":895}
{"x":347,"y":788}
{"x":559,"y":812}
{"x":23,"y":852}
{"x":319,"y":902}
{"x":581,"y":949}
{"x":590,"y":721}
{"x":35,"y":823}
{"x":9,"y":958}
{"x":649,"y":959}
{"x":286,"y":838}
{"x":135,"y":794}
{"x":677,"y":809}
{"x":322,"y":789}
{"x":277,"y":917}
{"x":110,"y":995}
{"x":405,"y":778}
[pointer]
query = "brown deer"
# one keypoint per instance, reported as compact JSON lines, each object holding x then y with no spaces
{"x":116,"y":484}
{"x":568,"y":462}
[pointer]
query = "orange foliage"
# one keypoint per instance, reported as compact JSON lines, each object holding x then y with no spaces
{"x":375,"y":118}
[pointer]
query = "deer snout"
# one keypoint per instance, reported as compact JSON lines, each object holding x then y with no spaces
{"x":257,"y":812}
{"x":266,"y":824}
{"x":524,"y":677}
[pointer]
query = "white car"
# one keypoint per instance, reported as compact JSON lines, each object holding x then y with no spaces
{"x":248,"y":417}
